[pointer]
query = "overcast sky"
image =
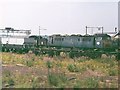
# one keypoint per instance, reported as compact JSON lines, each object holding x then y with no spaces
{"x":60,"y":16}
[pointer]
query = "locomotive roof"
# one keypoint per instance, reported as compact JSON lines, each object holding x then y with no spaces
{"x":73,"y":35}
{"x":35,"y":37}
{"x":102,"y":35}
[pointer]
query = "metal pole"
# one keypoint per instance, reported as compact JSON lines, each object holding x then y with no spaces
{"x":102,"y":30}
{"x":39,"y":36}
{"x":118,"y":50}
{"x":86,"y":30}
{"x":7,"y":37}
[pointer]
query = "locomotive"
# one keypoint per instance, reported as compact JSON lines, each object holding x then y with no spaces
{"x":75,"y":41}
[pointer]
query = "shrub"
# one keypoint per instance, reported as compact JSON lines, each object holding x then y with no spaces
{"x":71,"y":55}
{"x":35,"y":83}
{"x":113,"y":72}
{"x":49,"y":64}
{"x":77,"y":85}
{"x":50,"y":53}
{"x":53,"y":79}
{"x":11,"y":82}
{"x":104,"y":56}
{"x":62,"y":78}
{"x":82,"y":59}
{"x":72,"y":68}
{"x":29,"y":63}
{"x":59,"y":64}
{"x":63,"y":54}
{"x":57,"y":79}
{"x":91,"y":82}
{"x":86,"y":83}
{"x":113,"y":57}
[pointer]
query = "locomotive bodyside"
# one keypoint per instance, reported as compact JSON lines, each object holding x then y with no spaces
{"x":71,"y":41}
{"x":78,"y":41}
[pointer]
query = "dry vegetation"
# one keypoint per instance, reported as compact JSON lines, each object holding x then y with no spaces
{"x":30,"y":71}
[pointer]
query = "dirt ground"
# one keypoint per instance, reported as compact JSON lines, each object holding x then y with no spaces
{"x":24,"y":70}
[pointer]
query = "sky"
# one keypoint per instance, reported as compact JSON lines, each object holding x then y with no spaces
{"x":59,"y":16}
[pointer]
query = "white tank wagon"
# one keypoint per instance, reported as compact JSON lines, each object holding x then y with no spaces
{"x":10,"y":35}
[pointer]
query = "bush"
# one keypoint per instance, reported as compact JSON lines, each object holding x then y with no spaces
{"x":49,"y":64}
{"x":71,"y":55}
{"x":91,"y":82}
{"x":59,"y":64}
{"x":62,"y":78}
{"x":35,"y":83}
{"x":11,"y":82}
{"x":57,"y":79}
{"x":29,"y":63}
{"x":53,"y":79}
{"x":113,"y":72}
{"x":77,"y":85}
{"x":104,"y":56}
{"x":73,"y":68}
{"x":63,"y":54}
{"x":50,"y":53}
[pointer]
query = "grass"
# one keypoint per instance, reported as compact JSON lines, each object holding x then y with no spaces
{"x":113,"y":72}
{"x":73,"y":68}
{"x":87,"y":83}
{"x":53,"y":79}
{"x":63,"y":72}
